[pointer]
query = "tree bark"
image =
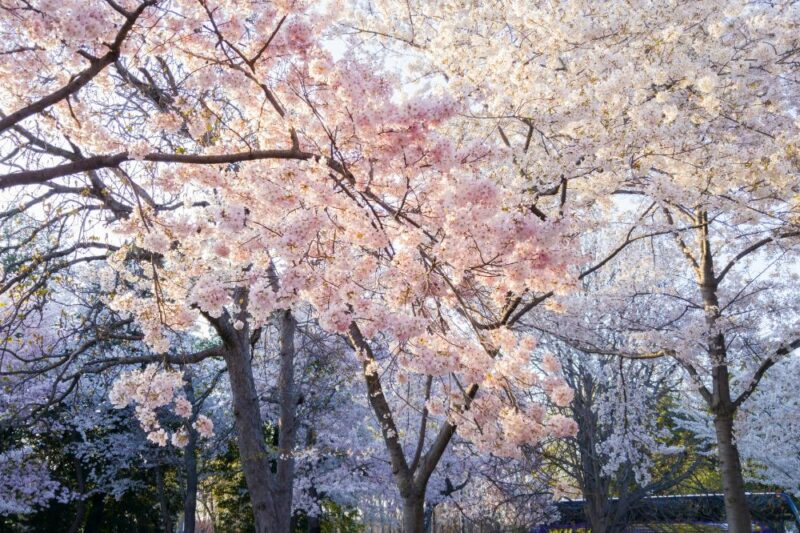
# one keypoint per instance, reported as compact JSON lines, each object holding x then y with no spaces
{"x":736,"y":508}
{"x":411,"y":480}
{"x":593,"y":482}
{"x":720,"y":401}
{"x":287,"y":427}
{"x":96,"y":513}
{"x":429,"y":510}
{"x":190,"y":464}
{"x":314,"y":525}
{"x":166,"y":523}
{"x":250,"y":437}
{"x":414,"y":514}
{"x":81,"y":511}
{"x":596,"y":513}
{"x":270,"y":493}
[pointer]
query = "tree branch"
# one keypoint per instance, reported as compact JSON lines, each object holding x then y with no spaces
{"x":765,"y":365}
{"x":381,"y":408}
{"x":97,"y":66}
{"x":32,"y":177}
{"x":752,"y":248}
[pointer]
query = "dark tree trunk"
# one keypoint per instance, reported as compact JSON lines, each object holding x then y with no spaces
{"x":269,"y":495}
{"x":593,"y":482}
{"x":81,"y":512}
{"x":597,"y":514}
{"x":429,"y":517}
{"x":96,"y":513}
{"x":313,"y":522}
{"x":314,"y":525}
{"x":414,"y":514}
{"x":411,"y":479}
{"x":190,"y":464}
{"x":77,"y":522}
{"x":166,"y":523}
{"x":730,"y":467}
{"x":736,"y":508}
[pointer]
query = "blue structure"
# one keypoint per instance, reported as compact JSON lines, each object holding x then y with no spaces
{"x":771,"y":512}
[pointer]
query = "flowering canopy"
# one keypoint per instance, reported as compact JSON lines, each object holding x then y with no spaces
{"x":250,"y":170}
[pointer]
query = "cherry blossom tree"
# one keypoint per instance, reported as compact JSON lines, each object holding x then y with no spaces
{"x":686,"y":109}
{"x":498,"y":493}
{"x":620,"y":441}
{"x":57,"y":363}
{"x":246,"y":173}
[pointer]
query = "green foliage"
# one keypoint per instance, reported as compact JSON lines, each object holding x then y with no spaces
{"x":338,"y":519}
{"x":227,"y":491}
{"x":699,"y":461}
{"x":137,"y":511}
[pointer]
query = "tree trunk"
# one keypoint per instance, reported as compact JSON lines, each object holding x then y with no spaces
{"x":287,"y":427}
{"x":719,"y":400}
{"x":96,"y":513}
{"x":270,"y":493}
{"x":596,"y":515}
{"x":166,"y":523}
{"x":593,"y":482}
{"x":314,"y":525}
{"x":411,"y":480}
{"x":736,"y":509}
{"x":190,"y":464}
{"x":81,"y":512}
{"x":429,"y":518}
{"x":250,"y":438}
{"x":414,"y":514}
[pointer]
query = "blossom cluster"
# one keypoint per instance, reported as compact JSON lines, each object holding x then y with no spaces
{"x":26,"y":483}
{"x":153,"y":388}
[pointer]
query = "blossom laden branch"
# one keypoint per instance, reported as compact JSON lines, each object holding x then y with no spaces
{"x":97,"y":65}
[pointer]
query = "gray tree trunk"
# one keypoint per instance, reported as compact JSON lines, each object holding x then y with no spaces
{"x":287,"y":426}
{"x":720,"y":402}
{"x":592,"y":481}
{"x":270,"y":493}
{"x":597,"y":513}
{"x":96,"y":514}
{"x":430,"y":518}
{"x":81,"y":513}
{"x":736,"y":508}
{"x":250,"y":437}
{"x":411,"y":479}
